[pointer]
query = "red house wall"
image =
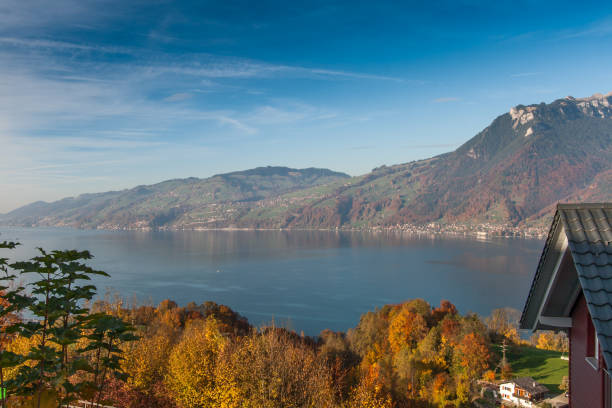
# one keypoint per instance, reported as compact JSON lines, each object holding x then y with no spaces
{"x":586,"y":383}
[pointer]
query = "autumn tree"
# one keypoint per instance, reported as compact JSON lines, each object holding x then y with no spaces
{"x":371,"y":331}
{"x":472,"y":355}
{"x":406,"y":329}
{"x":273,"y":368}
{"x":441,"y":390}
{"x":370,"y":392}
{"x":445,"y":308}
{"x":191,"y":367}
{"x":564,"y":386}
{"x":147,"y":360}
{"x":489,"y":375}
{"x":504,"y":323}
{"x":506,"y":371}
{"x":549,"y":340}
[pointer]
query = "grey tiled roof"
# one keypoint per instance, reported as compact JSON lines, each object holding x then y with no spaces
{"x":530,"y":385}
{"x":589,"y":234}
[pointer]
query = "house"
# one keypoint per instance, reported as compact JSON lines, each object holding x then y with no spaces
{"x":572,"y":291}
{"x":522,"y":392}
{"x":86,"y":404}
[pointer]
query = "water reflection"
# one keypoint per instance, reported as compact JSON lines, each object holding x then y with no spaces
{"x":315,"y":279}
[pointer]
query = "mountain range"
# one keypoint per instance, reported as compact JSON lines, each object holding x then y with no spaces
{"x":510,"y":175}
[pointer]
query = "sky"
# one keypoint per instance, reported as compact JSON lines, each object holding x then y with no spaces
{"x":107,"y":95}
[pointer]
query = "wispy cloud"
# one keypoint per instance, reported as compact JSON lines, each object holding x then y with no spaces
{"x":210,"y":66}
{"x":446,"y":99}
{"x":60,"y":45}
{"x":525,"y":74}
{"x":355,"y":75}
{"x":180,"y":96}
{"x":599,"y":28}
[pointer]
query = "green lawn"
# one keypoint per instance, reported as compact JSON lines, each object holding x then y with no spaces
{"x":546,"y":367}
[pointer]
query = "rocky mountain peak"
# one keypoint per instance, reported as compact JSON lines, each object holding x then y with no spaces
{"x":522,"y":115}
{"x":596,"y":105}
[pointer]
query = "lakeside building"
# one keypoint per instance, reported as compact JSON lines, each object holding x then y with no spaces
{"x":572,"y":291}
{"x":522,"y":392}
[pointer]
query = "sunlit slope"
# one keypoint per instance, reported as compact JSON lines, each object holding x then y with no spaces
{"x":511,"y":173}
{"x":163,"y":204}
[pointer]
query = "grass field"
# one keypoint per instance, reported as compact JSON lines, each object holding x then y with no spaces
{"x":546,"y":367}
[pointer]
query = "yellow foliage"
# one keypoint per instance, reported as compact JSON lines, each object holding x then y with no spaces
{"x":370,"y":393}
{"x":272,"y":369}
{"x":191,"y":366}
{"x":406,"y":329}
{"x":546,"y":341}
{"x":512,"y":334}
{"x":462,"y":390}
{"x":47,"y":400}
{"x":19,"y":345}
{"x":441,"y":392}
{"x":489,"y":375}
{"x":147,"y":359}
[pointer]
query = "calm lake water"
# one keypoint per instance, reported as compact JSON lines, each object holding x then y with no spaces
{"x":307,"y":280}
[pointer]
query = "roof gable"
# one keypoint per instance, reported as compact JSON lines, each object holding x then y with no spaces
{"x":588,"y":230}
{"x":530,"y":385}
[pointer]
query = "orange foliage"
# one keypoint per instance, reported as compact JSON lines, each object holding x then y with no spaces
{"x":473,"y":354}
{"x":445,"y":308}
{"x":406,"y":329}
{"x":450,"y":330}
{"x":489,"y":375}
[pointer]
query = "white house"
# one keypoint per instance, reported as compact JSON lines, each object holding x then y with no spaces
{"x":522,"y":392}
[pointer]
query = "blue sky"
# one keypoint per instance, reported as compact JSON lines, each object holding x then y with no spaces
{"x":104,"y":95}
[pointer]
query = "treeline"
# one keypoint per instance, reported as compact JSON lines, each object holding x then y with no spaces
{"x":143,"y":356}
{"x":205,"y":355}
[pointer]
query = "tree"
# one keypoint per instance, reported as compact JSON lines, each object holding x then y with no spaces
{"x":445,"y":308}
{"x":441,"y":390}
{"x":504,"y":322}
{"x":106,"y":334}
{"x":406,"y":329}
{"x":273,"y":368}
{"x":506,"y":371}
{"x":548,"y":340}
{"x":370,"y":392}
{"x":371,"y":331}
{"x":146,"y":361}
{"x":472,"y":355}
{"x":564,"y":386}
{"x":449,"y":330}
{"x":12,"y":301}
{"x":489,"y":375}
{"x":191,"y":367}
{"x":52,"y":367}
{"x":462,"y":390}
{"x":56,"y":301}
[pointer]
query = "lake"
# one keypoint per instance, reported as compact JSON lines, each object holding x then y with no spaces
{"x":307,"y":280}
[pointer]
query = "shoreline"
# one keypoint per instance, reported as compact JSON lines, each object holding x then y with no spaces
{"x":480,"y":231}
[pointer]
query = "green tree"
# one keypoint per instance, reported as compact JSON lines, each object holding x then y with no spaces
{"x":106,"y":334}
{"x":53,"y":366}
{"x":12,"y":301}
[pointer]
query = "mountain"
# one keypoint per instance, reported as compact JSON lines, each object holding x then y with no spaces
{"x":511,"y":174}
{"x":216,"y":199}
{"x":525,"y":161}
